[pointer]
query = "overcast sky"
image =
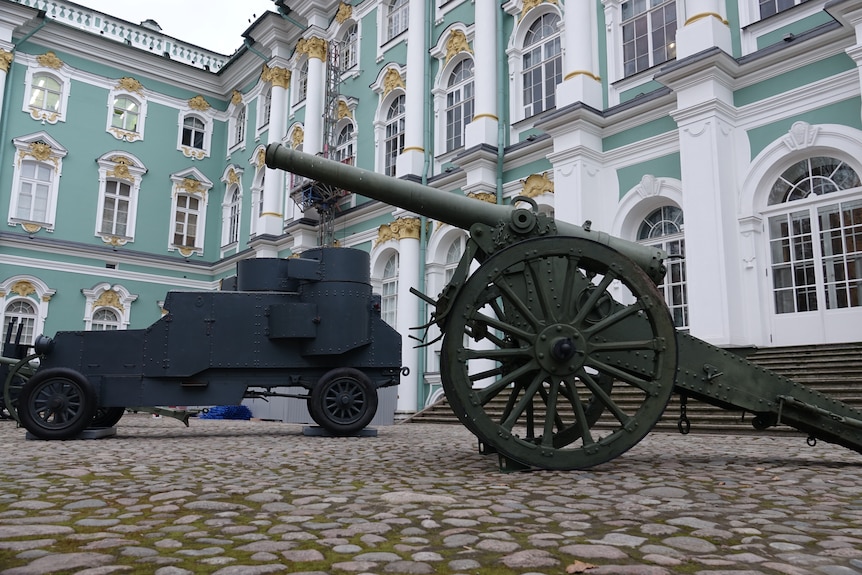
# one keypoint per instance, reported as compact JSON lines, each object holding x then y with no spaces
{"x":212,"y":24}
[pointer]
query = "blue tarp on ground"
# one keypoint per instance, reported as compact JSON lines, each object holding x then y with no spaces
{"x":226,"y":412}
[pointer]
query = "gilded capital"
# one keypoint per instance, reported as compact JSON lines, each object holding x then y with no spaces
{"x":483,"y":197}
{"x":345,"y":11}
{"x":402,"y":228}
{"x":314,"y":47}
{"x":392,"y":80}
{"x":276,"y":76}
{"x":536,"y":185}
{"x":5,"y":59}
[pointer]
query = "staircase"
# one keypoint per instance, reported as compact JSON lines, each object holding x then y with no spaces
{"x":832,"y":369}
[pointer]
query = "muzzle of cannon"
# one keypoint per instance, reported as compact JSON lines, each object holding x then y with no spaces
{"x":561,"y":322}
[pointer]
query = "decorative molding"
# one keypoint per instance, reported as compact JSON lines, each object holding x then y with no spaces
{"x":457,"y":43}
{"x":402,"y":228}
{"x":192,"y":186}
{"x":124,"y":135}
{"x":129,"y":85}
{"x":276,"y":76}
{"x":50,"y":60}
{"x":23,"y":288}
{"x":40,"y":151}
{"x":530,"y":4}
{"x":121,"y":169}
{"x":31,"y":228}
{"x":801,"y":135}
{"x":114,"y":241}
{"x":297,"y":137}
{"x":109,"y":298}
{"x":392,"y":80}
{"x":536,"y":185}
{"x":260,"y":159}
{"x":199,"y":103}
{"x":232,"y":176}
{"x":5,"y":60}
{"x":236,"y":98}
{"x":313,"y":47}
{"x":483,"y":197}
{"x":193,"y":153}
{"x":343,"y":110}
{"x":649,"y":186}
{"x":345,"y":12}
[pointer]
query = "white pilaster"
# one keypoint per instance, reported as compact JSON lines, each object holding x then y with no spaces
{"x":581,"y":82}
{"x":408,"y":311}
{"x":482,"y":129}
{"x":314,"y":102}
{"x":272,"y":216}
{"x":412,"y":158}
{"x":705,"y":27}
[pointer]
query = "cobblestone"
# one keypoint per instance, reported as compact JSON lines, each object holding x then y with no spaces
{"x":247,"y":498}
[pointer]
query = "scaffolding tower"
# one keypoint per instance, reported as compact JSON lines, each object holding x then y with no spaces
{"x":312,"y":194}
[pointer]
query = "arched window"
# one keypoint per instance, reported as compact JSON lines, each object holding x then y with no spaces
{"x":389,"y":297}
{"x":193,"y":132}
{"x":232,"y":213}
{"x":126,"y":114}
{"x":105,"y":319}
{"x":45,"y":93}
{"x":453,"y":256}
{"x":239,"y":126}
{"x":459,"y":103}
{"x":267,"y":108}
{"x":542,"y":64}
{"x":396,"y":18}
{"x":394,"y":134}
{"x":662,"y":228}
{"x":344,"y":145}
{"x":649,"y":34}
{"x":20,"y":312}
{"x":815,"y":237}
{"x":350,"y":47}
{"x":302,"y":82}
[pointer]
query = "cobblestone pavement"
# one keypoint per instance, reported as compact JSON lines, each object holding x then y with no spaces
{"x":238,"y":497}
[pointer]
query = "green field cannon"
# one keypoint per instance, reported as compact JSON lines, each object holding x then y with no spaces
{"x":561,"y":321}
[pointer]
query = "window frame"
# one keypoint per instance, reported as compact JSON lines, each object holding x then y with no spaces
{"x":204,"y":116}
{"x":28,"y":289}
{"x":189,"y":185}
{"x":62,"y":76}
{"x":467,"y":112}
{"x":121,"y":167}
{"x":397,"y":19}
{"x":388,"y":119}
{"x":43,"y":151}
{"x":104,"y":296}
{"x":122,"y":133}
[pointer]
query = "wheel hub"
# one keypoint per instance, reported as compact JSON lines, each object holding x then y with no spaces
{"x":560,"y":349}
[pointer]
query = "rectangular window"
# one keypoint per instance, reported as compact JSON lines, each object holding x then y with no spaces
{"x":841,"y":244}
{"x":186,"y":221}
{"x":649,"y":34}
{"x":771,"y":7}
{"x":115,"y":211}
{"x":34,"y":192}
{"x":792,"y":254}
{"x":389,"y":303}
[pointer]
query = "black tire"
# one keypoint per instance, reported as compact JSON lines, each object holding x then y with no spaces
{"x":57,"y":403}
{"x":107,"y":416}
{"x":343,"y":401}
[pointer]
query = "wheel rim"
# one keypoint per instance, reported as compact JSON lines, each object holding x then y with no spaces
{"x":543,"y":326}
{"x":15,"y":380}
{"x":56,"y":403}
{"x":345,"y":401}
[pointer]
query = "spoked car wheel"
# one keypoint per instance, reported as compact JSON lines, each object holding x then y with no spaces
{"x":56,"y":403}
{"x":343,"y":402}
{"x":107,"y":416}
{"x":540,"y":339}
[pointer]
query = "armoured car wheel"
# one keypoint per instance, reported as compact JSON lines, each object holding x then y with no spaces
{"x":550,"y":326}
{"x":16,"y":377}
{"x":57,"y":403}
{"x":344,"y":401}
{"x":107,"y":416}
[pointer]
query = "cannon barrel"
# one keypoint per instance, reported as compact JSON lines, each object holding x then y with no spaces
{"x":454,"y":209}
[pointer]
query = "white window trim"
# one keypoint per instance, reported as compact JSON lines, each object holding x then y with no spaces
{"x":354,"y":70}
{"x":232,"y":177}
{"x":443,"y":7}
{"x":28,"y":148}
{"x":122,"y":167}
{"x":384,"y":101}
{"x":207,"y":119}
{"x":262,"y":121}
{"x":618,"y":84}
{"x":441,"y":84}
{"x":515,"y":54}
{"x":64,"y":77}
{"x":190,"y":182}
{"x":31,"y":289}
{"x":233,"y":115}
{"x":257,"y":184}
{"x":385,"y":44}
{"x":752,"y":27}
{"x":103,"y":295}
{"x":297,"y":97}
{"x":119,"y":133}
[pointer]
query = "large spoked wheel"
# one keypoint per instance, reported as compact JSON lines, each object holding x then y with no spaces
{"x":17,"y":376}
{"x":554,"y":329}
{"x":343,"y":402}
{"x":56,"y":403}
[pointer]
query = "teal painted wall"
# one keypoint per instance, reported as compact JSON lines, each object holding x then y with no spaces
{"x":642,"y":132}
{"x":789,"y":81}
{"x":795,"y":28}
{"x":663,"y":167}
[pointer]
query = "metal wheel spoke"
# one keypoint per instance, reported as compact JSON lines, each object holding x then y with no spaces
{"x":654,"y":344}
{"x":496,"y":354}
{"x":543,"y":288}
{"x":520,"y":306}
{"x":519,"y":408}
{"x":580,"y":414}
{"x":486,"y":394}
{"x":572,"y":271}
{"x":644,"y":382}
{"x":595,"y":294}
{"x":552,"y":418}
{"x":598,"y":392}
{"x":613,"y":319}
{"x":505,"y":327}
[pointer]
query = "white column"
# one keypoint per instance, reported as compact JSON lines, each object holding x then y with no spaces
{"x":6,"y":58}
{"x":850,"y":15}
{"x":272,"y":216}
{"x":483,"y":127}
{"x":406,"y":228}
{"x":314,"y":101}
{"x":412,"y":158}
{"x":581,"y":82}
{"x":705,"y":27}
